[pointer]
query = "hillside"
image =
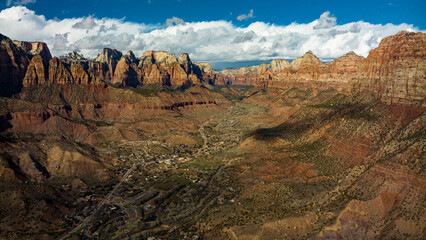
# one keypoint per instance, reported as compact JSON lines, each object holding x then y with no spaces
{"x":123,"y":147}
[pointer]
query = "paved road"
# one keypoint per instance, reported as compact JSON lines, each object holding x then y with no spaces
{"x":100,"y":204}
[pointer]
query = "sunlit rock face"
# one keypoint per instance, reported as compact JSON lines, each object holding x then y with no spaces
{"x":395,"y":71}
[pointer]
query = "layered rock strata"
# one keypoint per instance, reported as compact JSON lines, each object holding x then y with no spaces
{"x":30,"y":64}
{"x":395,"y":71}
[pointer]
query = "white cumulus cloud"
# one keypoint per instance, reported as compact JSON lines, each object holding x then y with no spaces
{"x":212,"y":41}
{"x":325,"y":21}
{"x":245,"y":16}
{"x":86,"y":23}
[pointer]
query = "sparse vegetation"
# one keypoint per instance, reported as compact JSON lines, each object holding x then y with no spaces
{"x":258,"y":168}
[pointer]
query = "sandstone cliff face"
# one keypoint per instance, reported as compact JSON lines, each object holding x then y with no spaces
{"x":204,"y":67}
{"x":34,"y":48}
{"x":58,"y":73}
{"x":79,"y":75}
{"x":154,"y":67}
{"x":13,"y":66}
{"x":111,"y":66}
{"x":205,"y":72}
{"x":395,"y":71}
{"x":274,"y":66}
{"x":308,"y":60}
{"x":61,"y":72}
{"x":110,"y":57}
{"x":37,"y":72}
{"x":28,"y":64}
{"x":159,"y":67}
{"x":125,"y":71}
{"x":130,"y":57}
{"x":185,"y":62}
{"x":277,"y":65}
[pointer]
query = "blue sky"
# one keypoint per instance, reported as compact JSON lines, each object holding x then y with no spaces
{"x":274,"y":11}
{"x":214,"y":31}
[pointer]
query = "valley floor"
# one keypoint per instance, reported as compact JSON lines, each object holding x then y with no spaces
{"x":274,"y":164}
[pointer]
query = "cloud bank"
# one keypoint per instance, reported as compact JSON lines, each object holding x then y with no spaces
{"x":213,"y":41}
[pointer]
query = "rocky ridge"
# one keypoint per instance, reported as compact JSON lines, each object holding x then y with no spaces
{"x":73,"y":56}
{"x":26,"y":64}
{"x":395,"y":71}
{"x":302,"y":160}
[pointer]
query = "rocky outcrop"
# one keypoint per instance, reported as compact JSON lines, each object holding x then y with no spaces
{"x":125,"y":71}
{"x":159,"y":67}
{"x":395,"y":71}
{"x":161,"y":58}
{"x":308,"y":60}
{"x":110,"y":57}
{"x":79,"y":74}
{"x":130,"y":57}
{"x":58,"y":73}
{"x":35,"y":48}
{"x":111,"y":66}
{"x":73,"y":56}
{"x":37,"y":72}
{"x":13,"y":66}
{"x":205,"y":72}
{"x":185,"y":62}
{"x":204,"y":67}
{"x":61,"y":72}
{"x":27,"y":64}
{"x":277,"y":65}
{"x":259,"y":75}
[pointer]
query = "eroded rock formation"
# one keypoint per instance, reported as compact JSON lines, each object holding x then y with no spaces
{"x":13,"y":66}
{"x":395,"y":71}
{"x":33,"y":48}
{"x":73,"y":56}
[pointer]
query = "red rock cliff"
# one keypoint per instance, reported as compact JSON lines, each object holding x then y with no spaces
{"x":395,"y":71}
{"x":13,"y":66}
{"x":34,"y":48}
